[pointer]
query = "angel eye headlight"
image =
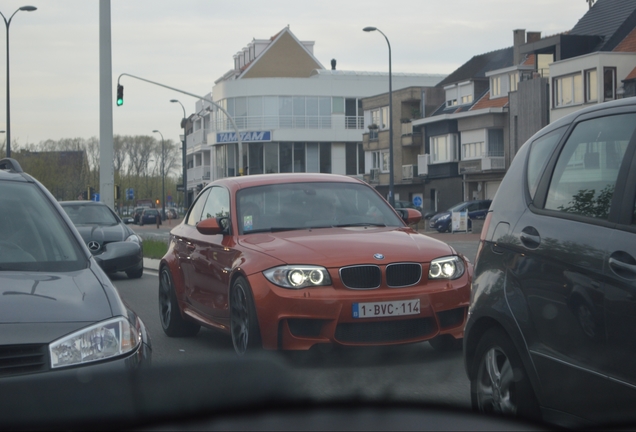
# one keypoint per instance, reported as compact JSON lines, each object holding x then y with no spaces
{"x":446,"y":268}
{"x":298,"y":276}
{"x":100,"y":341}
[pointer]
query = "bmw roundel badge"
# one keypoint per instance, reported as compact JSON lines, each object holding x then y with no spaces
{"x":378,"y":256}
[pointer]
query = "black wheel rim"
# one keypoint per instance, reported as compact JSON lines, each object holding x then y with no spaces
{"x":165,"y":306}
{"x":239,"y":319}
{"x":495,"y":383}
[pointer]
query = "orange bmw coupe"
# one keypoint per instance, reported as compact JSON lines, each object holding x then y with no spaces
{"x":288,"y":261}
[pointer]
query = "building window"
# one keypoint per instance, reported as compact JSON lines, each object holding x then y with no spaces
{"x":495,"y":86}
{"x":465,"y":93}
{"x":495,"y":143}
{"x":591,"y":86}
{"x":473,"y":150}
{"x":380,"y":117}
{"x":609,"y":83}
{"x":325,"y":158}
{"x":514,"y":81}
{"x":568,"y":90}
{"x":467,"y":99}
{"x":380,"y":160}
{"x":444,"y":148}
{"x":451,"y":95}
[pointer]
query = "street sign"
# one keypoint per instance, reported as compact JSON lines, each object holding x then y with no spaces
{"x":180,"y":188}
{"x":95,"y":197}
{"x":130,"y":194}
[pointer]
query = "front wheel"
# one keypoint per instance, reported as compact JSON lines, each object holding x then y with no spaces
{"x":499,"y":383}
{"x":243,"y":321}
{"x":172,"y":322}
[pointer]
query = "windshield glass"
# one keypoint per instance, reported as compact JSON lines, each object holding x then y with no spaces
{"x":32,"y":235}
{"x":90,"y":214}
{"x":311,"y":205}
{"x":456,"y":207}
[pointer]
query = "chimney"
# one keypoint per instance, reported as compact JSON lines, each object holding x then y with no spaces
{"x":333,"y":64}
{"x":519,"y":38}
{"x":533,"y":36}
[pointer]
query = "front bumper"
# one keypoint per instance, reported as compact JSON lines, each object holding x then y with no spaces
{"x":299,"y":319}
{"x":120,"y":256}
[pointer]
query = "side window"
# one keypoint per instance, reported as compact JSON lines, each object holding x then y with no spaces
{"x":540,"y":152}
{"x":217,"y":204}
{"x":585,"y":174}
{"x":195,"y":214}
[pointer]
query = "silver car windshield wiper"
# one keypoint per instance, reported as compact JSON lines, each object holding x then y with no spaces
{"x":360,"y":224}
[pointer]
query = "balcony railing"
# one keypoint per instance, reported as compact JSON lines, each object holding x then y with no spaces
{"x":197,"y":137}
{"x":199,"y":173}
{"x":292,"y":122}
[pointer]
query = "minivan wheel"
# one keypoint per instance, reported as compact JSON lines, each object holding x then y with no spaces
{"x":499,"y":383}
{"x":172,"y":322}
{"x":243,"y":321}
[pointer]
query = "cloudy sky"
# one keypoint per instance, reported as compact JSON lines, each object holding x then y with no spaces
{"x":189,"y":44}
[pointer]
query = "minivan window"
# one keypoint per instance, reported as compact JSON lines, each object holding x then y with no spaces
{"x":539,"y":154}
{"x":585,"y":174}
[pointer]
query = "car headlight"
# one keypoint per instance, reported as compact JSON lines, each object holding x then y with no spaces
{"x":446,"y":268}
{"x":134,"y":238}
{"x":100,"y":341}
{"x":296,"y":276}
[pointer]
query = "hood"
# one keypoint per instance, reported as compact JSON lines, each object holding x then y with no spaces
{"x":102,"y":233}
{"x":338,"y":247}
{"x":33,"y":297}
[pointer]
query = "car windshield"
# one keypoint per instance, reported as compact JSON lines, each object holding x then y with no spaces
{"x":456,"y":207}
{"x":291,"y":206}
{"x":33,"y":237}
{"x":90,"y":214}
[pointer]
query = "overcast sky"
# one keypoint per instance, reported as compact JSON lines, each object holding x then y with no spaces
{"x":189,"y":44}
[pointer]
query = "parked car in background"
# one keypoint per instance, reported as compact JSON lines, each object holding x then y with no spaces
{"x":137,"y":214}
{"x":476,"y":210}
{"x":552,"y":324}
{"x":288,"y":261}
{"x":407,"y":204}
{"x":114,"y":245}
{"x":149,"y":216}
{"x":59,"y":312}
{"x":171,"y":213}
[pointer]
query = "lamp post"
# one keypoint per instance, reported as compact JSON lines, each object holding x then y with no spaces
{"x":163,"y":177}
{"x":391,"y":195}
{"x":7,"y":23}
{"x":183,"y":157}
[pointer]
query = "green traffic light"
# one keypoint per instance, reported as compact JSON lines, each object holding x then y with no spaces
{"x":120,"y":95}
{"x":120,"y":102}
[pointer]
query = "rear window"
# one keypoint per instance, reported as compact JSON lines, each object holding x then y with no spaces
{"x":33,"y":235}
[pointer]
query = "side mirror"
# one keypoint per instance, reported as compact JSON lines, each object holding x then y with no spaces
{"x":209,"y":227}
{"x":410,"y":216}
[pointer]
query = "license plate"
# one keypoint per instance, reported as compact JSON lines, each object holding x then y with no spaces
{"x":384,"y":309}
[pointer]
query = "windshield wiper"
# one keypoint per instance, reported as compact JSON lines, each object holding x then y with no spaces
{"x":274,"y":229}
{"x":360,"y":224}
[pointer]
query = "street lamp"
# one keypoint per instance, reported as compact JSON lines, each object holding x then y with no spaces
{"x":163,"y":177}
{"x":7,"y":23}
{"x":391,"y":195}
{"x":183,"y":157}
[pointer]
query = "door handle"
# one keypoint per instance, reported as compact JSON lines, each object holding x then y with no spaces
{"x":530,"y":237}
{"x":619,"y":266}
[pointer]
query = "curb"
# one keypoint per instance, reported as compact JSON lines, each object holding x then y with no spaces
{"x":151,"y":264}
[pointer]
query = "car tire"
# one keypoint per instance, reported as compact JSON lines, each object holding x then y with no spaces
{"x":172,"y":322}
{"x":243,"y":321}
{"x":499,"y":383}
{"x":445,"y":343}
{"x":136,"y":273}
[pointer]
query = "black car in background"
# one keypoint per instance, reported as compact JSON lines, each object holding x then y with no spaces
{"x":551,"y":328}
{"x":114,"y":245}
{"x":149,"y":216}
{"x":59,"y":312}
{"x":476,"y":210}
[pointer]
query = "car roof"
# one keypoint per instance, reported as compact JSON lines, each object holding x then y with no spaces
{"x":267,"y":179}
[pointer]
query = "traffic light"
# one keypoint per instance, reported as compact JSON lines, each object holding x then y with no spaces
{"x":157,"y":201}
{"x":120,"y":95}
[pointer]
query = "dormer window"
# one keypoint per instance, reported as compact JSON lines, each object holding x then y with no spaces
{"x":495,"y":86}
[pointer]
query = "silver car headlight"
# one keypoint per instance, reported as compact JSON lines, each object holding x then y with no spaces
{"x":446,"y":268}
{"x":100,"y":341}
{"x":134,"y":238}
{"x":298,"y":276}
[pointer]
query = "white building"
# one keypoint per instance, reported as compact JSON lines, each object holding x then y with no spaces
{"x":293,"y":115}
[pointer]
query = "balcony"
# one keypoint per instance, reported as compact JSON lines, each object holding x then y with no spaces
{"x":486,"y":163}
{"x":197,"y":138}
{"x":199,"y":174}
{"x":412,"y":140}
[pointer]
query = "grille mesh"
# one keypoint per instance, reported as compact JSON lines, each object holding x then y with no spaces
{"x":361,"y":277}
{"x":401,"y":275}
{"x":22,"y":359}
